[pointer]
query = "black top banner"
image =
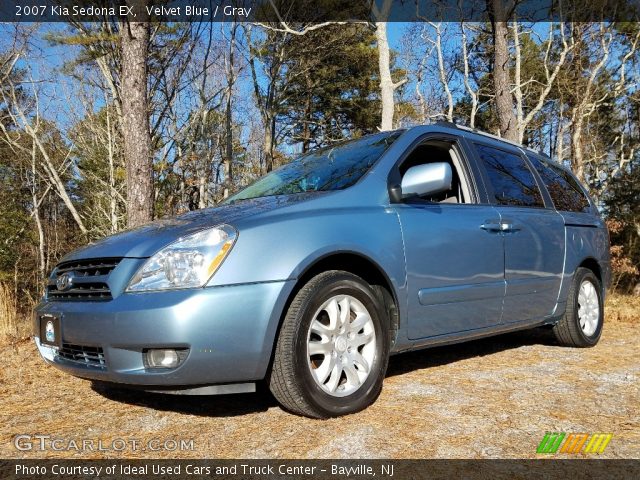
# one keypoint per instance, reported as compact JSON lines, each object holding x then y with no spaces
{"x":296,"y":12}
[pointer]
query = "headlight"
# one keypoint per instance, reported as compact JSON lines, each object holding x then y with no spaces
{"x":188,"y":262}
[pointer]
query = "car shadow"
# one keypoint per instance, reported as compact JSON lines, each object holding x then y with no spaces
{"x":262,"y":400}
{"x":445,"y":354}
{"x":202,"y":405}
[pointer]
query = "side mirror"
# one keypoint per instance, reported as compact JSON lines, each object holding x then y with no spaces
{"x":427,"y":179}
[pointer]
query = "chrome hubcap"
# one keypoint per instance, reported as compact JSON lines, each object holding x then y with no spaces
{"x":588,"y":308}
{"x":341,"y":345}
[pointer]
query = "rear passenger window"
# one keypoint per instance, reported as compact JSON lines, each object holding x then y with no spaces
{"x":563,"y":188}
{"x":512,"y":181}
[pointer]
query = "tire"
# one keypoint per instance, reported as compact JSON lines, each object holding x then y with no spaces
{"x":581,"y":324}
{"x":315,"y":342}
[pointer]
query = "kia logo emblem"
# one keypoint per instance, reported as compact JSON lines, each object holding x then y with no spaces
{"x":64,"y":281}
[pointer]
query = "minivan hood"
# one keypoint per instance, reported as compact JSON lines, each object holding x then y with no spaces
{"x":144,"y":241}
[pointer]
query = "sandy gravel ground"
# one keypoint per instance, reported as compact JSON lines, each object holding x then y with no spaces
{"x":488,"y":398}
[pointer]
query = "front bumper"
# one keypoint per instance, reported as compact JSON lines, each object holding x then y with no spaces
{"x":228,"y":332}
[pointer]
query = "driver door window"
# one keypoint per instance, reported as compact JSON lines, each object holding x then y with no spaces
{"x":435,"y":152}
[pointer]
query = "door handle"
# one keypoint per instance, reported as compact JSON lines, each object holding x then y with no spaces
{"x":499,"y":226}
{"x":491,"y":226}
{"x":508,"y":226}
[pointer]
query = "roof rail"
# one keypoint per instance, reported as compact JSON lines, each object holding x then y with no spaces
{"x":446,"y":123}
{"x":485,"y":134}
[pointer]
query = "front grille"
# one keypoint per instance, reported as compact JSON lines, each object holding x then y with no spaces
{"x":88,"y":280}
{"x":91,"y":356}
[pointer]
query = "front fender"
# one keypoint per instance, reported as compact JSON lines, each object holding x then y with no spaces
{"x":282,"y":247}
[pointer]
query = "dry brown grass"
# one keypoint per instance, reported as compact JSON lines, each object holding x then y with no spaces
{"x":623,"y":308}
{"x":8,"y":313}
{"x":13,"y":325}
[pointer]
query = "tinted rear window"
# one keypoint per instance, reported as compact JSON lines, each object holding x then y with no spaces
{"x":510,"y":177}
{"x":562,"y":187}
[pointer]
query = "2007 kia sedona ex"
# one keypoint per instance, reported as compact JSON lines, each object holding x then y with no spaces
{"x":311,"y":277}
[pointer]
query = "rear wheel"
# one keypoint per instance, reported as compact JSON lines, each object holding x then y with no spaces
{"x":333,"y":348}
{"x":581,"y":325}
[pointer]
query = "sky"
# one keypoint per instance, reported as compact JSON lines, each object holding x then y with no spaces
{"x":57,"y":90}
{"x":59,"y":93}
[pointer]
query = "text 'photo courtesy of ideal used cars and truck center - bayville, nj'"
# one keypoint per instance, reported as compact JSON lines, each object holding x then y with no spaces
{"x":267,"y":239}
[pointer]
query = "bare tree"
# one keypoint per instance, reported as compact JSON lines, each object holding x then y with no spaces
{"x":587,"y":104}
{"x":443,"y":77}
{"x":35,"y":211}
{"x":472,"y":92}
{"x":420,"y":77}
{"x":231,"y":79}
{"x":267,"y":94}
{"x":98,"y":156}
{"x":113,"y":192}
{"x":32,"y":126}
{"x":550,"y":74}
{"x":387,"y":86}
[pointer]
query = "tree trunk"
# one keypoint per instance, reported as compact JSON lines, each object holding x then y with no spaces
{"x":306,"y":121}
{"x":422,"y":104}
{"x":269,"y":132}
{"x":202,"y":191}
{"x":518,"y":83}
{"x":473,"y":94}
{"x":113,"y":200}
{"x":442,"y":72}
{"x":558,"y":149}
{"x":266,"y":106}
{"x":135,"y":122}
{"x":577,"y":153}
{"x":228,"y":168}
{"x":36,"y":215}
{"x":386,"y":83}
{"x":226,"y":164}
{"x":501,"y":83}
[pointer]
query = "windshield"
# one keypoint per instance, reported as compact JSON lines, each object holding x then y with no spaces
{"x":330,"y":168}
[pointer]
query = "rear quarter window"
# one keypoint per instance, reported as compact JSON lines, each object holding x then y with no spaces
{"x":564,"y":190}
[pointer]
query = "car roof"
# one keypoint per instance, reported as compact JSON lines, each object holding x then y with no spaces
{"x":458,"y":129}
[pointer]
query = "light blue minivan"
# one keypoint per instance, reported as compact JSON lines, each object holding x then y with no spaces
{"x":311,"y":277}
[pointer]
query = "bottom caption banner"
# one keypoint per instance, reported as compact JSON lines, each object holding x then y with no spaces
{"x":316,"y":469}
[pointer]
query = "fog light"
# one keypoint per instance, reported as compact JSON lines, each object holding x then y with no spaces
{"x":162,"y":358}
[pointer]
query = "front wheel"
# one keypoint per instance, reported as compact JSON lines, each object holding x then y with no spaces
{"x":333,"y":348}
{"x":581,"y":325}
